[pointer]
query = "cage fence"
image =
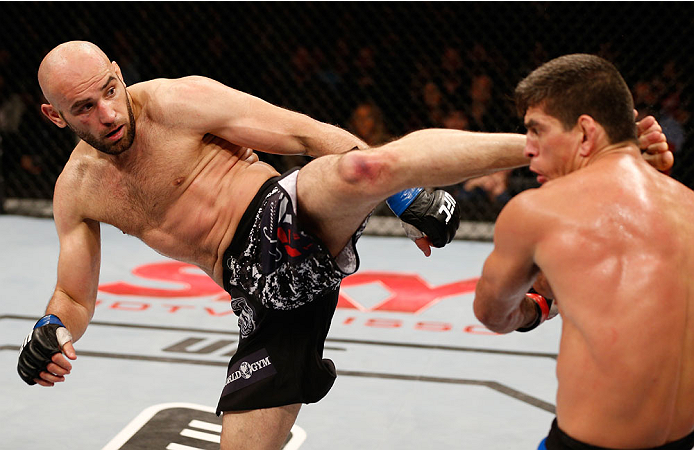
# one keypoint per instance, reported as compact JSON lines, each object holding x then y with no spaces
{"x":377,"y":69}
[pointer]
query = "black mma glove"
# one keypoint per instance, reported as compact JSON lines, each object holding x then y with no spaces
{"x":546,"y":309}
{"x":46,"y":339}
{"x":437,"y":214}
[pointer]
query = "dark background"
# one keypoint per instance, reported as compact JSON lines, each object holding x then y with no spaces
{"x":402,"y":66}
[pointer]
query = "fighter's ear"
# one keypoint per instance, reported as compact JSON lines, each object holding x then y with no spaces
{"x":116,"y":68}
{"x":589,"y":128}
{"x":53,"y":115}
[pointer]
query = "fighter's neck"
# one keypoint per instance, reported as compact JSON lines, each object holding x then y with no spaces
{"x":612,"y":150}
{"x":135,"y":103}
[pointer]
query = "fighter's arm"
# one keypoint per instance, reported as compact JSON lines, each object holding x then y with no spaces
{"x":208,"y":106}
{"x":74,"y":297}
{"x":510,"y":270}
{"x":79,"y":262}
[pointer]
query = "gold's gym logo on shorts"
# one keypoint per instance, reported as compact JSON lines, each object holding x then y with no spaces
{"x":253,"y":368}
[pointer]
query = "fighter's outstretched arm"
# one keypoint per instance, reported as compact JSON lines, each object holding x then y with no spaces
{"x":211,"y":107}
{"x":44,"y":355}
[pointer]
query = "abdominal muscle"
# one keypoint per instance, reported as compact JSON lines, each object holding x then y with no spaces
{"x":198,"y":223}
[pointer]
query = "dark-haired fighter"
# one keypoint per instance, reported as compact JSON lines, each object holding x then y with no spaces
{"x":614,"y":241}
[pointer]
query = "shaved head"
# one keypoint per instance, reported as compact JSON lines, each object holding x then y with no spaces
{"x":86,"y":93}
{"x":67,"y":62}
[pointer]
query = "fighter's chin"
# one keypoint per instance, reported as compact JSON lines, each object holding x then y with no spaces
{"x":115,"y":151}
{"x":542,"y":179}
{"x":118,"y":147}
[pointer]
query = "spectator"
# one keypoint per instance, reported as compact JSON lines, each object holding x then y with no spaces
{"x":456,"y":120}
{"x":367,"y":123}
{"x":480,"y":108}
{"x":453,"y":77}
{"x":430,"y":108}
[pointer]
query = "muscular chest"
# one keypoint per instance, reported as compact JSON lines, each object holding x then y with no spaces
{"x":137,"y":190}
{"x":166,"y":177}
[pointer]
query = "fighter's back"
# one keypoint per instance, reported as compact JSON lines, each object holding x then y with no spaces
{"x":618,"y":250}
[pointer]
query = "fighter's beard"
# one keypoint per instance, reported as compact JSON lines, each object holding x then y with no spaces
{"x":105,"y":147}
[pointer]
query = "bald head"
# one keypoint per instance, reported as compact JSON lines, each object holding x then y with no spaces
{"x":70,"y":63}
{"x":86,"y":93}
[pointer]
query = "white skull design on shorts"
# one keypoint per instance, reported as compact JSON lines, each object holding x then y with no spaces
{"x":246,"y":316}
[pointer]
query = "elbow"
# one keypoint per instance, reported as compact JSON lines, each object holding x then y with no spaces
{"x":480,"y":305}
{"x":490,"y":319}
{"x":482,"y":302}
{"x":488,"y":311}
{"x":479,"y":310}
{"x":483,"y":313}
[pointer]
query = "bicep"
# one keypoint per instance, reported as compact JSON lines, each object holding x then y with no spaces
{"x":212,"y":107}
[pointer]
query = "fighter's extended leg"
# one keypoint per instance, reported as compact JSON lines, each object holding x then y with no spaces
{"x":336,"y":192}
{"x":260,"y":429}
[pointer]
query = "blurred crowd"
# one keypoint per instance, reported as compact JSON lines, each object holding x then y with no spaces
{"x":376,"y":86}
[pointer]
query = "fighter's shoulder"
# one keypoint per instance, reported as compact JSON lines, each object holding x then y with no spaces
{"x":81,"y":167}
{"x":533,"y":210}
{"x":553,"y":194}
{"x":528,"y":202}
{"x":78,"y":164}
{"x":162,"y":97}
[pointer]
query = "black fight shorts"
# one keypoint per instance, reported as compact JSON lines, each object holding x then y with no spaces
{"x":558,"y":440}
{"x":284,"y":287}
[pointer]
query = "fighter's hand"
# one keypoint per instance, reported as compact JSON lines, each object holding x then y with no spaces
{"x":544,"y":309}
{"x":653,"y":143}
{"x":435,"y":215}
{"x":249,"y":156}
{"x":43,"y":357}
{"x":420,"y":239}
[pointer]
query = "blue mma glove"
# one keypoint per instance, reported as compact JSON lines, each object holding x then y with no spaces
{"x":46,"y":339}
{"x":437,"y":215}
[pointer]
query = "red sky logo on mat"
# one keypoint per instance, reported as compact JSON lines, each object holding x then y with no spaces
{"x":408,"y":293}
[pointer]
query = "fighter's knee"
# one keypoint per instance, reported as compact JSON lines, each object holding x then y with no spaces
{"x":364,"y":168}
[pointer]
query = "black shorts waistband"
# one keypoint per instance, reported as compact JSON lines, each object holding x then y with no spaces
{"x":238,"y":242}
{"x":558,"y":440}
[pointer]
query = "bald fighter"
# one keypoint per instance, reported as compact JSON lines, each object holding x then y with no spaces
{"x":616,"y":261}
{"x":167,"y":161}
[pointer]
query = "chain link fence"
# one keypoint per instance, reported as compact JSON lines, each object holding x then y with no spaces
{"x":379,"y":70}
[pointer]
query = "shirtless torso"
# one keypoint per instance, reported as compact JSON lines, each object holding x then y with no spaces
{"x":180,"y":192}
{"x":618,"y":258}
{"x":181,"y":186}
{"x":613,"y":239}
